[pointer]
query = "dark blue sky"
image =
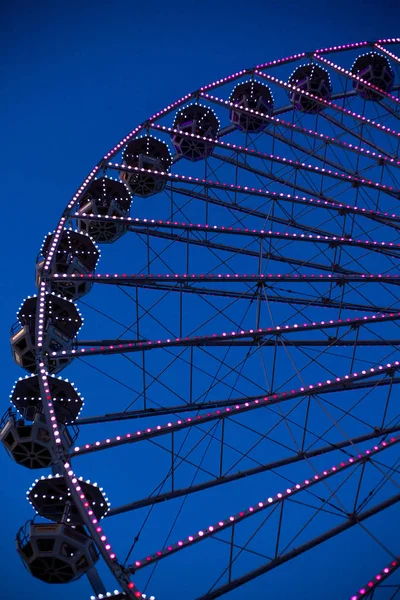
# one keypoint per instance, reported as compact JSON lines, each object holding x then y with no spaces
{"x":76,"y":77}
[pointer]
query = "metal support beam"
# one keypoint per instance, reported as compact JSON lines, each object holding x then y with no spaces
{"x":295,"y":458}
{"x":283,"y":558}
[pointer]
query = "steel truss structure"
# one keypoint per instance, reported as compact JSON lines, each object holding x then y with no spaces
{"x":250,"y":315}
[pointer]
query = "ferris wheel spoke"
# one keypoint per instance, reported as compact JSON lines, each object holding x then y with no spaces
{"x":182,"y":408}
{"x":271,"y":158}
{"x":380,"y":153}
{"x":241,"y":474}
{"x":279,"y":499}
{"x":326,"y":204}
{"x":246,"y":251}
{"x":387,"y":219}
{"x":243,"y":343}
{"x":328,"y":104}
{"x":341,"y":175}
{"x":143,"y":278}
{"x":236,"y":407}
{"x":367,"y":590}
{"x":352,"y":77}
{"x":259,"y":335}
{"x":361,"y":138}
{"x":387,"y":248}
{"x":253,"y":212}
{"x":351,"y":522}
{"x":307,"y":301}
{"x":284,"y":259}
{"x":312,"y":301}
{"x":322,"y":301}
{"x":144,"y":224}
{"x":306,"y":152}
{"x":289,"y":182}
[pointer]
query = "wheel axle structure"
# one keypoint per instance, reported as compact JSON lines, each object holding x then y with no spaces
{"x":240,"y":352}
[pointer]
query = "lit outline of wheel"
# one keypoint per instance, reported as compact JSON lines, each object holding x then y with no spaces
{"x":63,"y":462}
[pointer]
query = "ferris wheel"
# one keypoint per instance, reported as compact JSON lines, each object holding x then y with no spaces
{"x":239,"y":356}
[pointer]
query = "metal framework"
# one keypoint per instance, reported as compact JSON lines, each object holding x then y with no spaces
{"x":252,"y":306}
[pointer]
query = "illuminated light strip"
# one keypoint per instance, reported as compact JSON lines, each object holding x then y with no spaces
{"x":368,"y":85}
{"x":307,"y":132}
{"x":262,"y":505}
{"x":170,"y":107}
{"x":341,"y":48}
{"x":96,"y":530}
{"x":50,"y":408}
{"x":265,"y":193}
{"x":41,"y":306}
{"x":330,"y":104}
{"x":106,"y":595}
{"x":234,"y":335}
{"x":158,"y":223}
{"x":377,"y":580}
{"x":54,"y":244}
{"x":282,"y":160}
{"x":214,"y":84}
{"x":387,"y":52}
{"x":171,"y":287}
{"x":71,"y":480}
{"x":157,"y":115}
{"x":122,"y":142}
{"x":390,"y":41}
{"x":281,"y":61}
{"x":242,"y":406}
{"x":247,"y":295}
{"x":46,"y":399}
{"x":223,"y":80}
{"x":75,"y":483}
{"x":226,"y":277}
{"x":356,"y":45}
{"x":82,"y":188}
{"x":117,"y":593}
{"x":60,"y":227}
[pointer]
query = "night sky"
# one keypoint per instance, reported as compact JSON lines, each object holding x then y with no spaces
{"x":75,"y":78}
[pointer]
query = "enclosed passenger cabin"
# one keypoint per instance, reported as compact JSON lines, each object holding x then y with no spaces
{"x":374,"y":69}
{"x":192,"y":121}
{"x":51,"y":498}
{"x":27,"y":399}
{"x":61,"y":324}
{"x":310,"y":79}
{"x":31,"y":444}
{"x":105,"y":202}
{"x":56,"y":552}
{"x":76,"y":254}
{"x":146,"y":153}
{"x":251,"y":95}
